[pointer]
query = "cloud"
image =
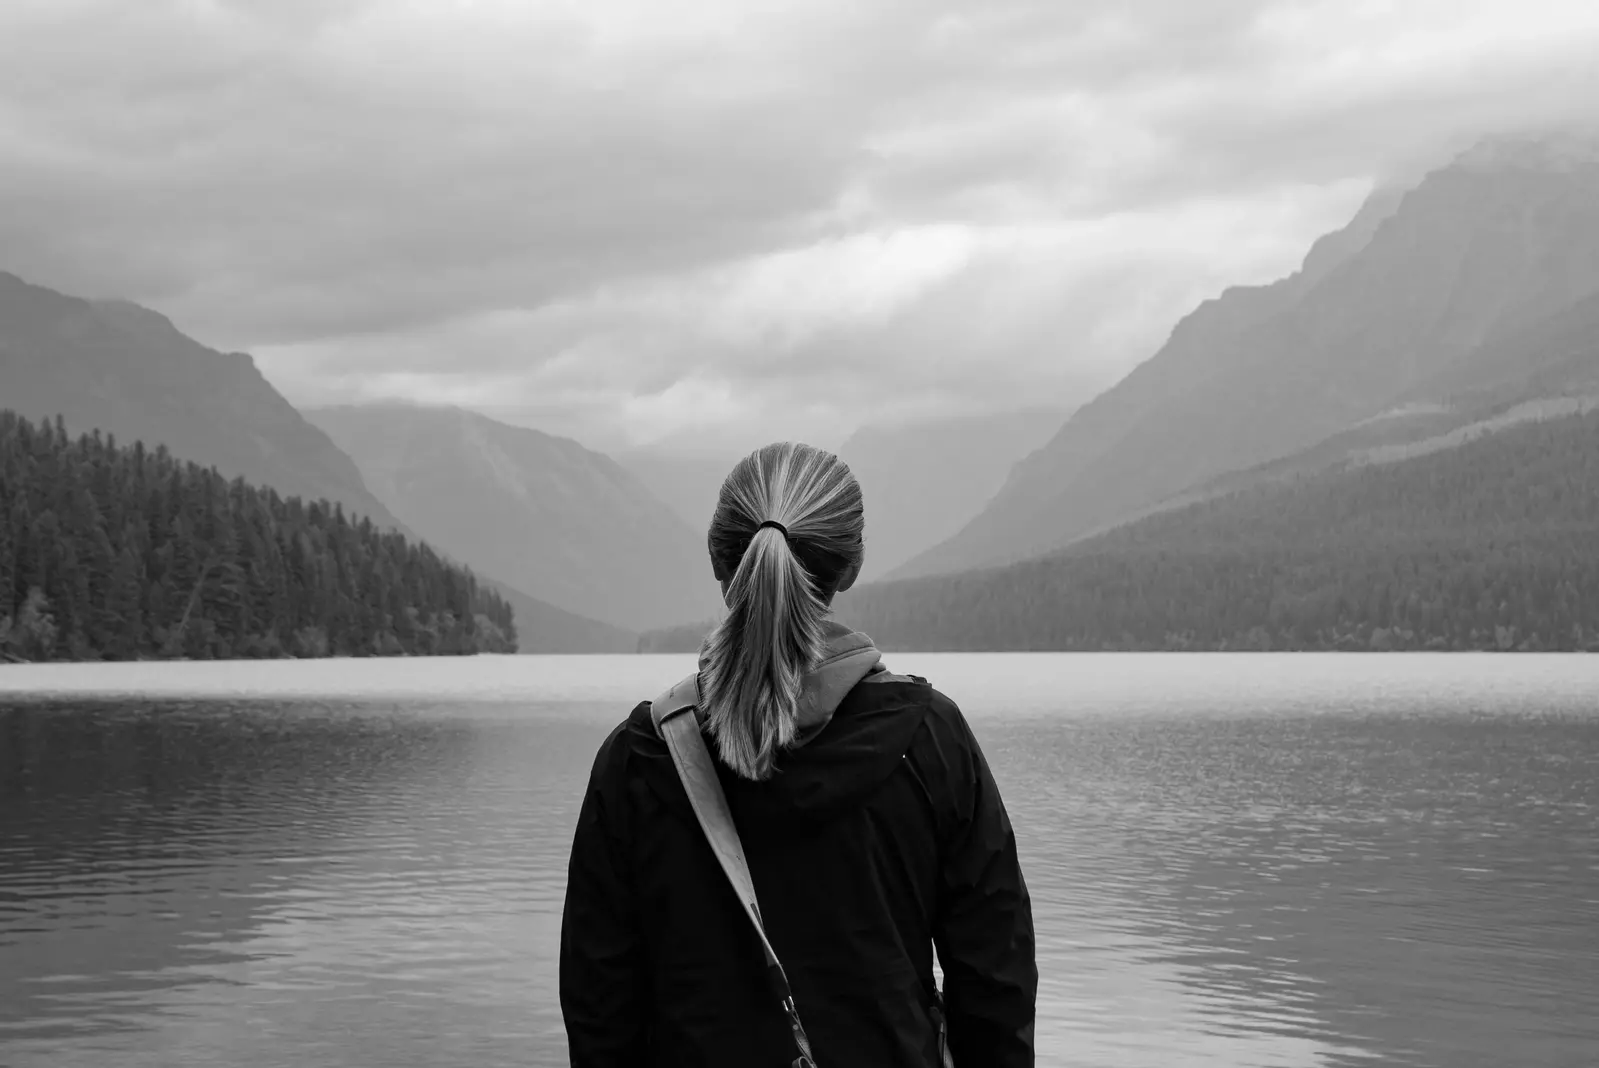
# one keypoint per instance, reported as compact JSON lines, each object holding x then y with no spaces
{"x":749,"y":214}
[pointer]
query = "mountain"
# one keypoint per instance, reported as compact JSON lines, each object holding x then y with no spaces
{"x":1543,"y":372}
{"x":113,"y":552}
{"x":1485,"y":542}
{"x":1452,"y":275}
{"x":1554,"y":355}
{"x":923,"y":481}
{"x":688,"y":485}
{"x":544,"y":628}
{"x":550,"y":517}
{"x":127,"y":371}
{"x":681,"y":638}
{"x":686,"y":468}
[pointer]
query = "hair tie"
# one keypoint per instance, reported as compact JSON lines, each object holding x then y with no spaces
{"x":775,"y":525}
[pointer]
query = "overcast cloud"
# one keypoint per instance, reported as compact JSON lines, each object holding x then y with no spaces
{"x":726,"y":219}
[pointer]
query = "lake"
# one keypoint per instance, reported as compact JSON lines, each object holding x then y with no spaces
{"x":1235,"y":860}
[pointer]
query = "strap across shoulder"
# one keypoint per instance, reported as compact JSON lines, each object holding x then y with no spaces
{"x":698,"y":774}
{"x":683,"y":696}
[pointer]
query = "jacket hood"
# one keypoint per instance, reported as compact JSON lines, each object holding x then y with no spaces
{"x":848,"y":658}
{"x":856,"y":720}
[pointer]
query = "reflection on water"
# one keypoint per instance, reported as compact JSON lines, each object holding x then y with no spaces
{"x":1413,"y":889}
{"x":1235,"y":862}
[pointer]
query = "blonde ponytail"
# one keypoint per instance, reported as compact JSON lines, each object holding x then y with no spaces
{"x":787,"y":530}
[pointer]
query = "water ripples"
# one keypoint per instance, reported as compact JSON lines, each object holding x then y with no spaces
{"x":200,"y":880}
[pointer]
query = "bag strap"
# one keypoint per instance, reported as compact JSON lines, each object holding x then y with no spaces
{"x":675,"y":721}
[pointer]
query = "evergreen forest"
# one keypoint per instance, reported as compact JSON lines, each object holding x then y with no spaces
{"x":121,"y":553}
{"x":1492,"y":545}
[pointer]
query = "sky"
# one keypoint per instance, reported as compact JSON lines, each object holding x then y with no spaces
{"x":713,"y":223}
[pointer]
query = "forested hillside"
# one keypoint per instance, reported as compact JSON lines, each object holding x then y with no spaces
{"x":923,"y":481}
{"x":561,"y":522}
{"x":111,"y":552}
{"x":122,"y":369}
{"x":1491,"y":545}
{"x":1478,"y":274}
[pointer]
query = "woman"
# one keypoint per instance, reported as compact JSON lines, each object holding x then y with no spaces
{"x":872,"y":828}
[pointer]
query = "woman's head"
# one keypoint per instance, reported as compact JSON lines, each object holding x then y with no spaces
{"x":785,"y":537}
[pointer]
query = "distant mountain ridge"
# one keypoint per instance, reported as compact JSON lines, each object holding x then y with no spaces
{"x":687,"y":484}
{"x":564,"y":523}
{"x":1395,"y":447}
{"x":923,"y":481}
{"x":1503,"y":241}
{"x":123,"y":553}
{"x":126,"y":371}
{"x":1450,"y":324}
{"x":1433,"y":491}
{"x":544,"y":628}
{"x":1484,"y":543}
{"x":1547,"y":371}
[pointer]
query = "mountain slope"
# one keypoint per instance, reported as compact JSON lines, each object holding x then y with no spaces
{"x":127,"y":371}
{"x":548,"y":516}
{"x":1485,"y":544}
{"x":1541,"y":417}
{"x":544,"y":628}
{"x":1545,"y":371}
{"x":1498,"y":241}
{"x":113,"y":552}
{"x":922,"y":482}
{"x":1550,"y":356}
{"x":686,"y":484}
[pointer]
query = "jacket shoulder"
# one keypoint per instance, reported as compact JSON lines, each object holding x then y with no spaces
{"x":943,"y":707}
{"x":611,"y":759}
{"x":940,"y":712}
{"x":943,"y":717}
{"x":944,"y":750}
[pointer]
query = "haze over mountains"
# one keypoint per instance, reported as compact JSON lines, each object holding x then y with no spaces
{"x":568,"y":525}
{"x":580,"y":546}
{"x":922,"y":480}
{"x":1448,"y":336}
{"x":127,"y":371}
{"x":1484,"y":544}
{"x":1502,"y":241}
{"x":1393,"y":447}
{"x":1435,"y":528}
{"x":544,"y":628}
{"x":687,"y":484}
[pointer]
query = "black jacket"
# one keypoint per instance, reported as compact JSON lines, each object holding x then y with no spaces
{"x":881,"y":837}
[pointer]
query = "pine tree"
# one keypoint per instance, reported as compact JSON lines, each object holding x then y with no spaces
{"x":125,"y":610}
{"x":8,"y":557}
{"x":126,"y":552}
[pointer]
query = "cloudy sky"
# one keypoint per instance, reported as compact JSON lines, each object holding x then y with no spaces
{"x":726,"y":220}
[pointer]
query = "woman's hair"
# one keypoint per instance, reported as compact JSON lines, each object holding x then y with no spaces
{"x":780,"y":581}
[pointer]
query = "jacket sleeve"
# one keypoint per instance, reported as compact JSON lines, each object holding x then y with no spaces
{"x":601,"y":958}
{"x":983,"y":924}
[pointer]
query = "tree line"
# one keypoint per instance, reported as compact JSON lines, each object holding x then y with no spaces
{"x":1493,"y":545}
{"x":120,"y":552}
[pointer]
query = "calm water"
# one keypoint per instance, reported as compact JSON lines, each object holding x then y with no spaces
{"x":1235,"y":861}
